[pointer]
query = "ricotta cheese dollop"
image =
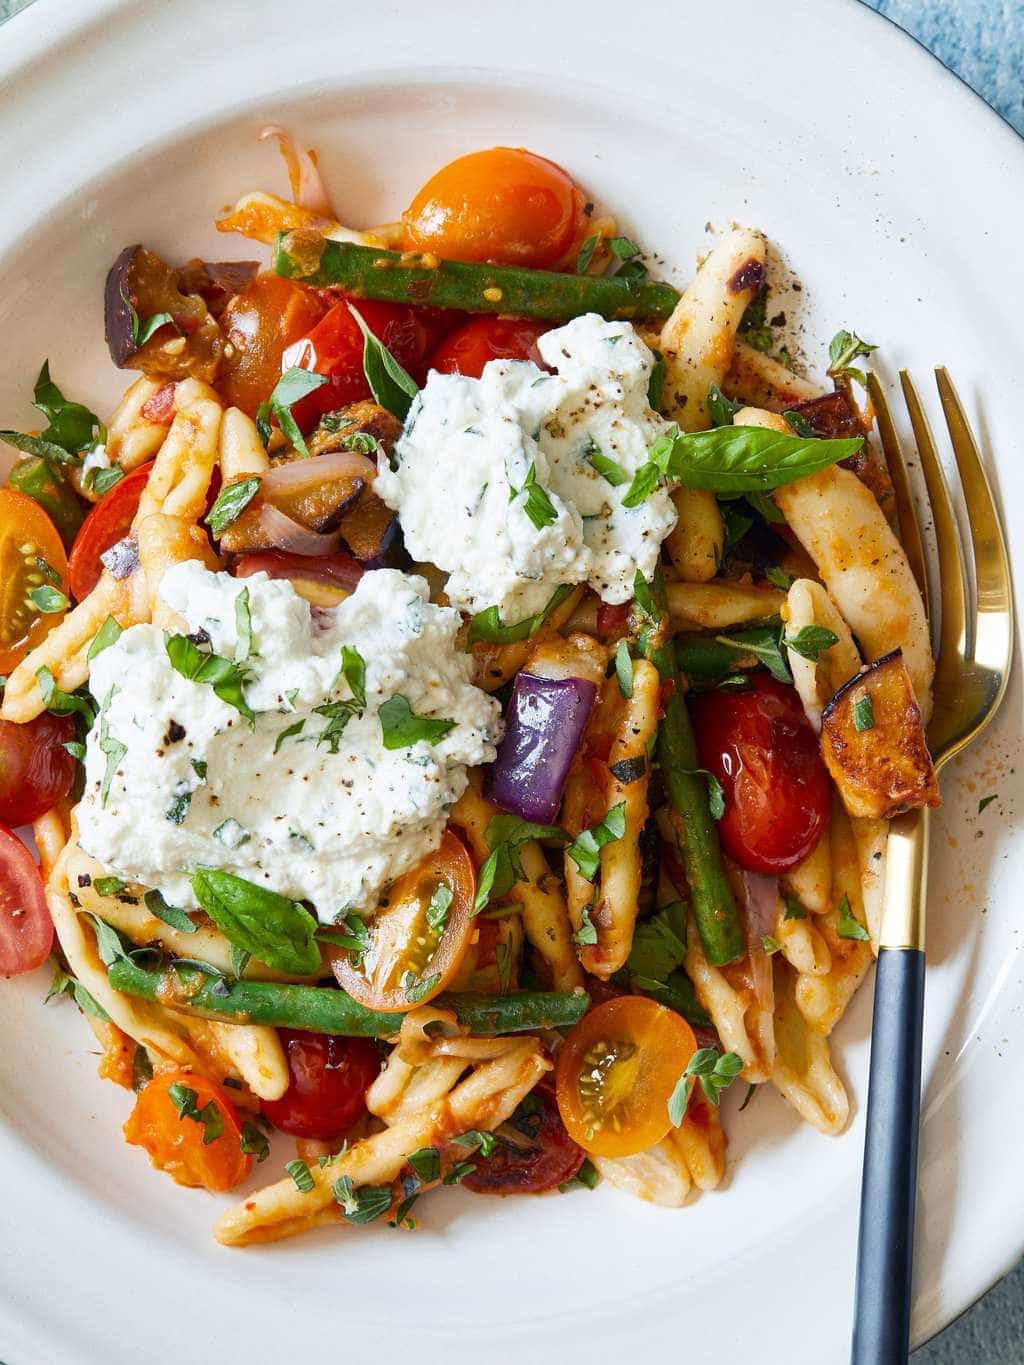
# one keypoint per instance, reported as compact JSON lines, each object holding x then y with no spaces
{"x":461,"y":482}
{"x":176,"y":777}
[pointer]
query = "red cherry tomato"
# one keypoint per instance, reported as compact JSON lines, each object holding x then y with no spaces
{"x":468,"y":349}
{"x":36,"y":771}
{"x":612,"y":619}
{"x":544,"y":1155}
{"x":108,"y":522}
{"x":327,"y":1089}
{"x":334,"y":348}
{"x":760,"y":746}
{"x":26,"y":930}
{"x":505,"y":204}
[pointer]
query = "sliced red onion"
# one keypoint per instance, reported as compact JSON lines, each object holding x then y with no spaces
{"x":122,"y":558}
{"x":339,"y":571}
{"x":283,"y":533}
{"x":301,"y":476}
{"x":303,"y":173}
{"x":760,"y":912}
{"x":545,"y":721}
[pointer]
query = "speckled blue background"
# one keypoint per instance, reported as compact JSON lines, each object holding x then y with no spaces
{"x":983,"y":42}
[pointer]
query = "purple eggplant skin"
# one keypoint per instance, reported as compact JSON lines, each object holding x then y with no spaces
{"x":392,"y":553}
{"x":117,"y":315}
{"x":545,"y":720}
{"x":218,"y":281}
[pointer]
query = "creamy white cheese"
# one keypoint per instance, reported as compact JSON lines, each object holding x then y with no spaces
{"x":197,"y":786}
{"x":469,"y":444}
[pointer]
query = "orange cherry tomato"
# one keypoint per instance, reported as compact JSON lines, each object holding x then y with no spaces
{"x":108,"y":522}
{"x":415,"y":947}
{"x":616,"y":1073}
{"x":190,"y":1129}
{"x":506,"y":205}
{"x":28,"y":541}
{"x":468,"y":349}
{"x":261,"y":323}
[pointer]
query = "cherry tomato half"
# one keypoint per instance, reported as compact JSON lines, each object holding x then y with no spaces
{"x":31,"y":557}
{"x":261,"y":323}
{"x":36,"y":771}
{"x":108,"y":522}
{"x":537,"y":1155}
{"x":410,"y":959}
{"x":334,"y":347}
{"x":183,"y":1140}
{"x":616,"y":1073}
{"x":468,"y":349}
{"x":506,"y":205}
{"x":329,"y":1077}
{"x":26,"y":930}
{"x":760,"y":746}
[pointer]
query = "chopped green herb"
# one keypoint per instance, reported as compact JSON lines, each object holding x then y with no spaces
{"x":623,"y":248}
{"x":715,"y":1071}
{"x":538,"y":505}
{"x":287,"y":733}
{"x":794,"y":910}
{"x":609,"y":469}
{"x":843,"y":349}
{"x":864,"y":713}
{"x":253,"y":1142}
{"x":770,"y":944}
{"x":716,"y":794}
{"x":487,"y":625}
{"x":232,"y":500}
{"x":437,"y":910}
{"x":506,"y":835}
{"x":225,"y":676}
{"x":586,"y":254}
{"x":779,"y":578}
{"x":586,"y":934}
{"x":63,"y":703}
{"x":178,"y":809}
{"x":113,"y":749}
{"x":987,"y":801}
{"x":198,"y":766}
{"x":107,"y":634}
{"x":588,"y":1176}
{"x":170,"y":914}
{"x":401,"y":727}
{"x":486,"y":1142}
{"x":585,"y":850}
{"x":659,"y":943}
{"x":418,"y":988}
{"x":231,"y":834}
{"x":244,"y":646}
{"x":142,"y":1068}
{"x":365,"y":1204}
{"x":810,"y":642}
{"x":301,"y":1174}
{"x":720,"y":410}
{"x":849,"y":926}
{"x":108,"y":886}
{"x":427,"y":1164}
{"x":458,"y":1172}
{"x":656,"y":383}
{"x":294,"y":384}
{"x":392,"y":387}
{"x":753,"y":328}
{"x":353,"y":670}
{"x":624,"y":669}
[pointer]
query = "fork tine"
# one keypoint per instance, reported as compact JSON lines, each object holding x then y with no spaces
{"x":994,"y":630}
{"x":906,"y":515}
{"x":952,"y":578}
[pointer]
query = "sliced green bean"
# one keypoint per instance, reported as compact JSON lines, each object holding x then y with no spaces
{"x":714,"y":907}
{"x":37,"y":480}
{"x":323,"y":1009}
{"x":369,"y":273}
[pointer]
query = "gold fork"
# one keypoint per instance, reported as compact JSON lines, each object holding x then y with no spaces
{"x":975,"y":645}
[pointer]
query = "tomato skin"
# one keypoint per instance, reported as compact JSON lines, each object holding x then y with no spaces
{"x":399,"y":940}
{"x":329,"y":1080}
{"x":26,"y":532}
{"x":26,"y":930}
{"x":761,"y":747}
{"x":176,"y":1145}
{"x":334,"y":347}
{"x":108,"y":522}
{"x":261,"y":323}
{"x":469,"y":348}
{"x":612,"y":619}
{"x":548,"y":1158}
{"x":616,"y":1072}
{"x":36,"y":771}
{"x":505,"y":205}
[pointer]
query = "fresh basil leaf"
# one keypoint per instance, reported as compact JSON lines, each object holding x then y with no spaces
{"x":810,"y":642}
{"x":353,"y":670}
{"x":864,"y":713}
{"x":364,"y":1204}
{"x":294,"y":384}
{"x":108,"y":633}
{"x":843,"y":349}
{"x":659,"y":944}
{"x":232,"y":500}
{"x":487,"y":625}
{"x":301,"y":1174}
{"x":112,"y":748}
{"x":643,"y":597}
{"x":716,"y":796}
{"x":628,"y":770}
{"x":225,"y":676}
{"x":253,"y":1142}
{"x":753,"y":328}
{"x":108,"y":886}
{"x":623,"y":248}
{"x":287,"y":733}
{"x":417,"y":988}
{"x":987,"y":801}
{"x":720,"y":410}
{"x":437,"y":910}
{"x":458,"y":1172}
{"x":764,"y":643}
{"x":849,"y":926}
{"x":49,"y":451}
{"x":736,"y":521}
{"x":142,"y":1068}
{"x":401,"y":727}
{"x":170,"y":914}
{"x":538,"y":505}
{"x":101,"y":481}
{"x":338,"y":715}
{"x":184,"y":1099}
{"x":72,"y":427}
{"x":63,"y":984}
{"x":146,"y":328}
{"x":392,"y":387}
{"x":587,"y":253}
{"x":239,"y":961}
{"x":63,"y":703}
{"x":585,"y":850}
{"x":588,"y":1176}
{"x":748,"y":459}
{"x":506,"y":834}
{"x":800,"y":424}
{"x":49,"y":600}
{"x":275,"y":930}
{"x":426,"y":1162}
{"x":770,"y":944}
{"x":677,"y":992}
{"x":178,"y":809}
{"x":485,"y":883}
{"x":624,"y":669}
{"x":609,"y":469}
{"x":656,"y":383}
{"x":486,"y":1142}
{"x":716,"y":1072}
{"x":244,"y":644}
{"x":680,"y":1098}
{"x":199,"y":767}
{"x":778,"y":578}
{"x":794,"y":910}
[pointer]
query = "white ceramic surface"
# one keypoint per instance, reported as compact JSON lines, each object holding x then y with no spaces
{"x":895,"y":196}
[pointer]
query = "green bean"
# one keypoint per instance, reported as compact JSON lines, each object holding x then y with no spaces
{"x":705,"y":659}
{"x":323,"y":1009}
{"x":714,"y":907}
{"x":369,"y":273}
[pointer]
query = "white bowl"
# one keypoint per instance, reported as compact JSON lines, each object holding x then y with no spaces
{"x":894,"y":195}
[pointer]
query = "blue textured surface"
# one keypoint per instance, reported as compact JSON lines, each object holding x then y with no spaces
{"x":983,"y":42}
